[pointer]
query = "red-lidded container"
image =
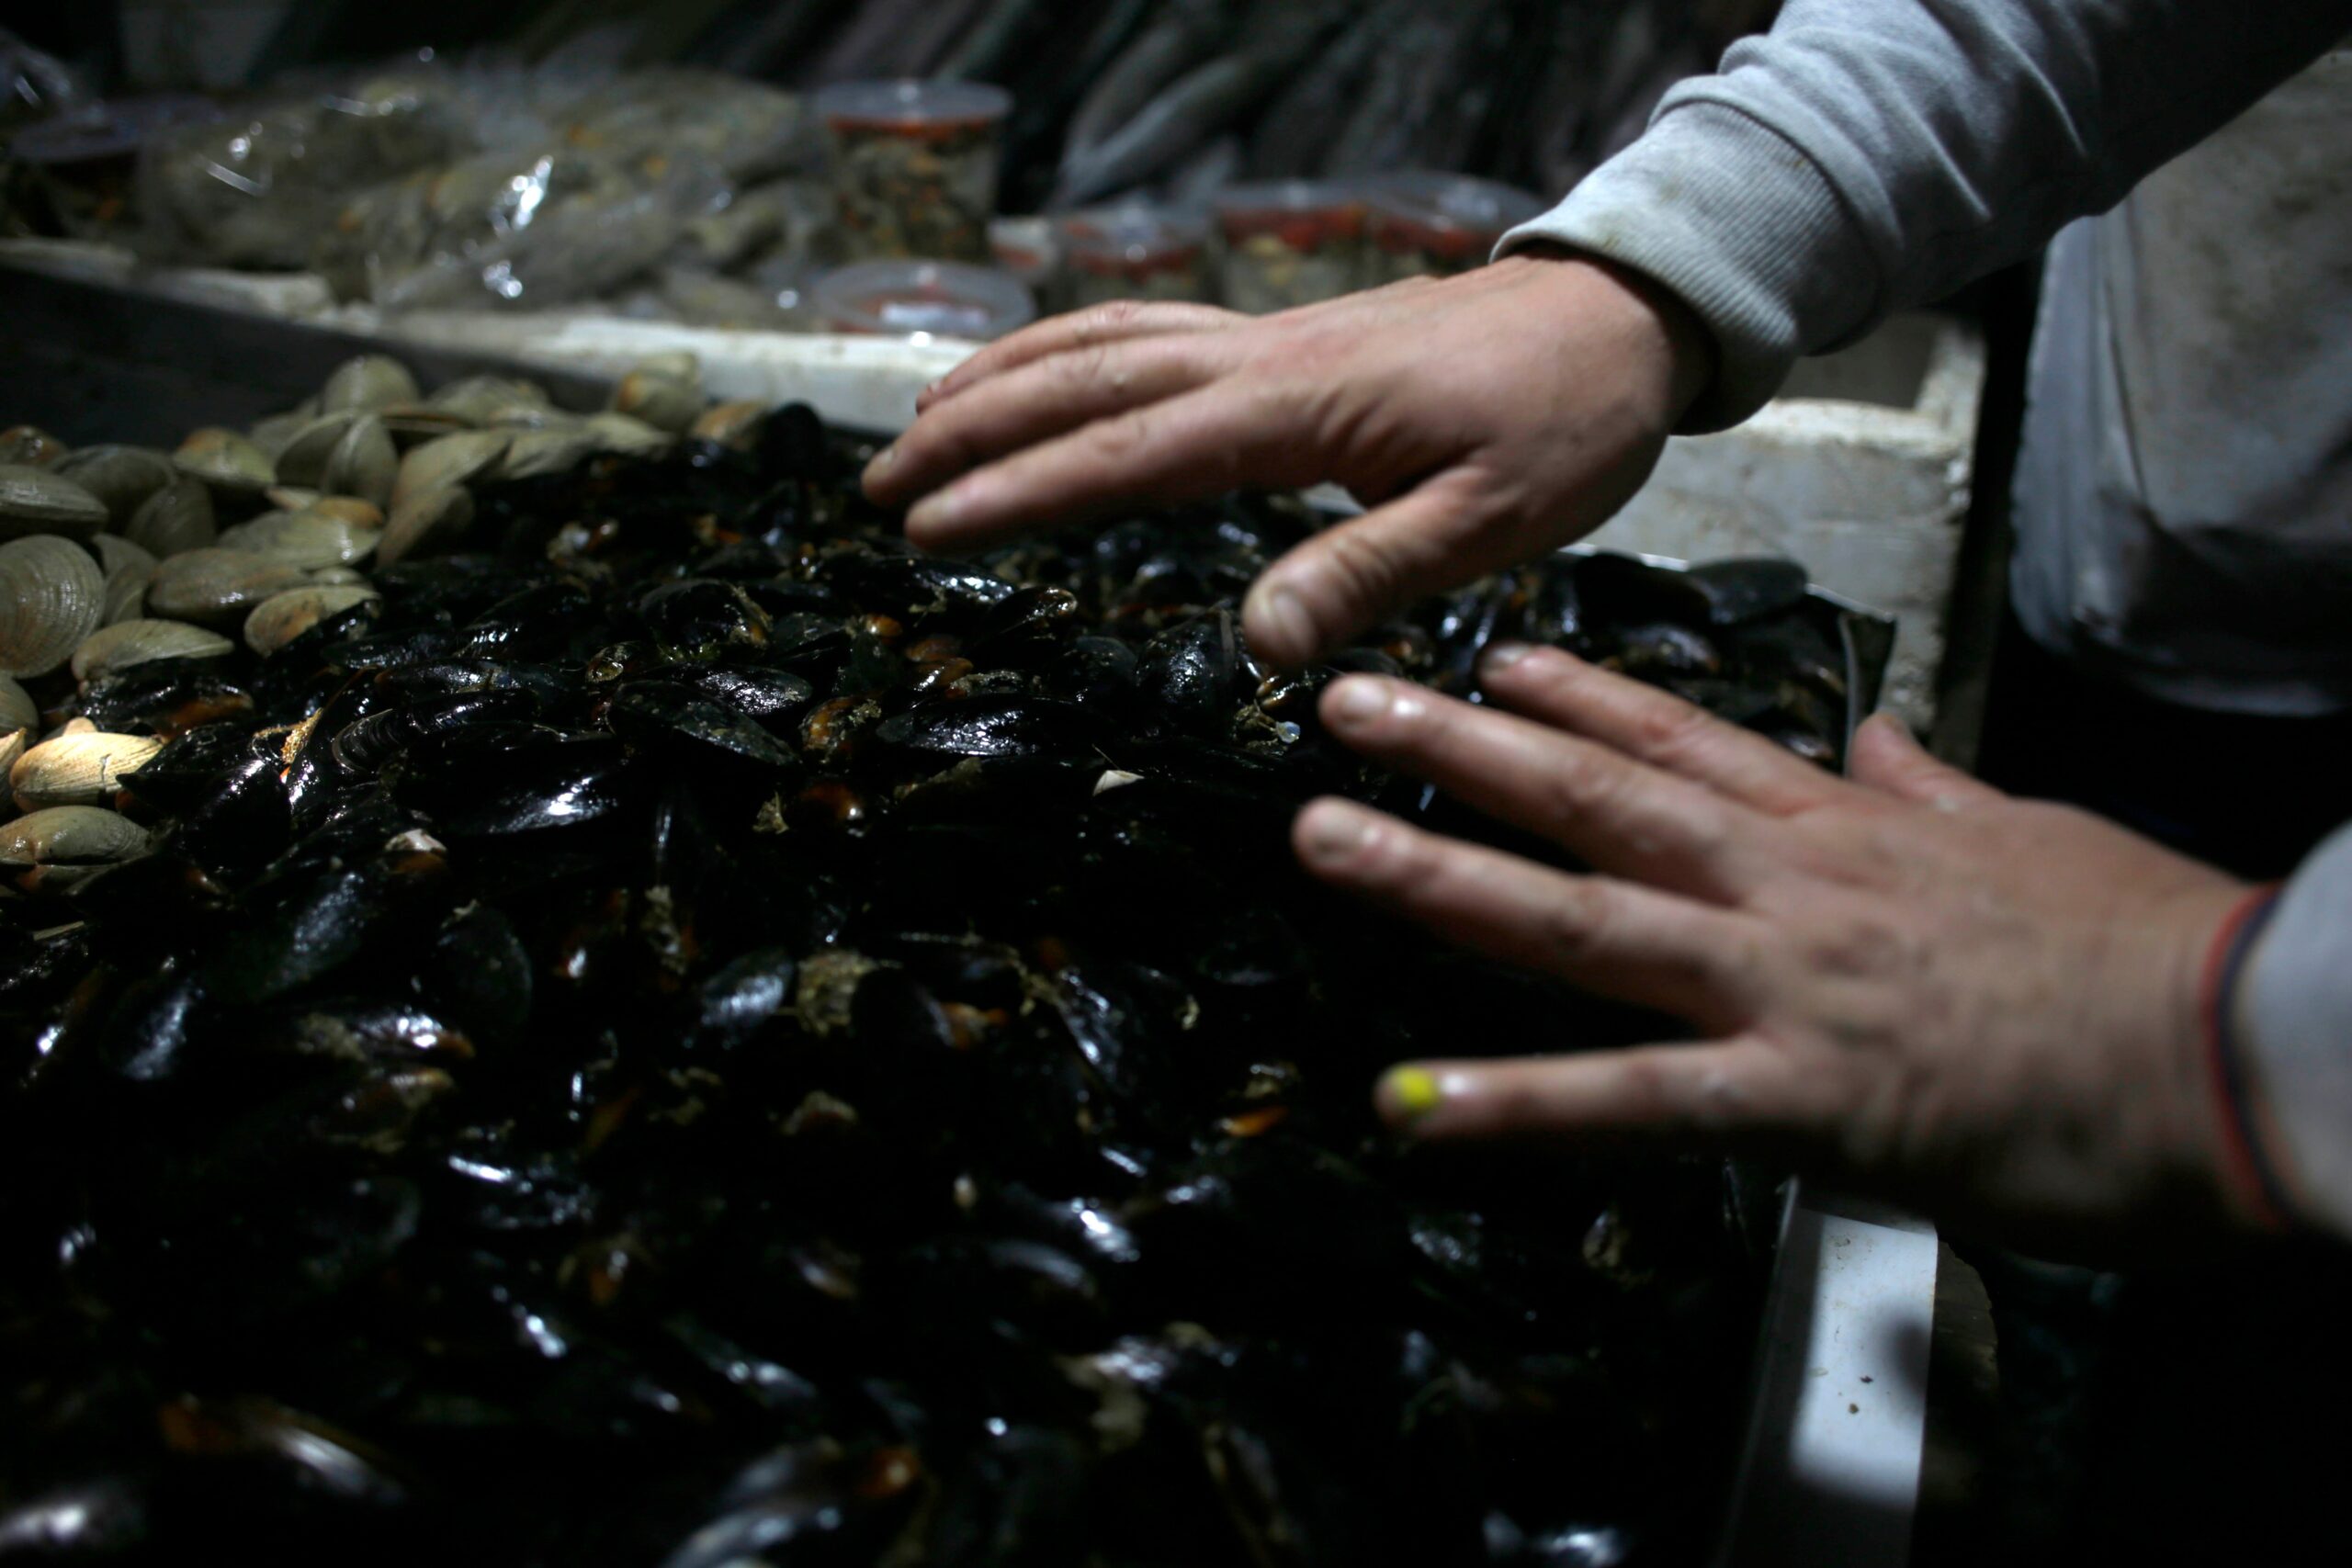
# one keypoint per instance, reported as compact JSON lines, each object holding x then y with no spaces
{"x":1135,"y":253}
{"x":1426,"y":224}
{"x":1291,"y":242}
{"x":922,"y":298}
{"x":915,"y":164}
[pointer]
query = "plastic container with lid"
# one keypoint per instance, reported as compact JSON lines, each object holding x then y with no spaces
{"x":1029,"y":249}
{"x":922,"y":298}
{"x":1135,"y":253}
{"x":1291,"y":242}
{"x":1425,"y":224}
{"x":85,"y":163}
{"x":915,"y":164}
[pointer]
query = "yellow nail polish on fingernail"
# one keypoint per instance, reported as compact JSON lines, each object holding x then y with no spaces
{"x":1413,"y":1091}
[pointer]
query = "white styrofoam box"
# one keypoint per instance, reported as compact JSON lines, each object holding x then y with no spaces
{"x":292,"y":295}
{"x":1862,"y":470}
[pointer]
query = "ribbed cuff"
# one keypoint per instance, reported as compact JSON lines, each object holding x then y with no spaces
{"x":1741,"y":226}
{"x":2292,"y":1013}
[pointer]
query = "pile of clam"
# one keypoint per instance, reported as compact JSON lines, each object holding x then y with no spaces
{"x":115,"y":556}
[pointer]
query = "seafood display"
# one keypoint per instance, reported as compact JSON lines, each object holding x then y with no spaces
{"x":564,"y":997}
{"x":915,"y":165}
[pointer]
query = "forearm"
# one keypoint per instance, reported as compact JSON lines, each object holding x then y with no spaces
{"x":2289,"y":1017}
{"x":1871,"y":154}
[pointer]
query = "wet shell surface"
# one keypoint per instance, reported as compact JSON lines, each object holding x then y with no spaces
{"x":664,"y":403}
{"x":177,"y":517}
{"x":363,"y":462}
{"x":18,"y":709}
{"x":450,"y":460}
{"x":730,"y":424}
{"x":282,"y":617}
{"x":70,"y":836}
{"x":34,"y":500}
{"x":215,"y":587}
{"x":77,"y":770}
{"x":126,"y":643}
{"x":625,"y":434}
{"x":122,"y":478}
{"x":127,"y":569}
{"x":51,"y":596}
{"x":479,"y":399}
{"x":553,"y":451}
{"x":306,"y":539}
{"x":227,"y":460}
{"x":432,"y":520}
{"x":304,"y":461}
{"x":367,"y":381}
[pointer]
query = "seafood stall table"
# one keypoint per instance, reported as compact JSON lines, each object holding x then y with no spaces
{"x":628,"y":979}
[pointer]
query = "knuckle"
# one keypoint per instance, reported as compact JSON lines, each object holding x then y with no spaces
{"x":1122,"y":436}
{"x":1575,"y":923}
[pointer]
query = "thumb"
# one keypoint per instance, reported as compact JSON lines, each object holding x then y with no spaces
{"x":1886,"y":758}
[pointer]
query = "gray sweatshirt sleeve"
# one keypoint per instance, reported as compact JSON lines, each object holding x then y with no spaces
{"x":1873,"y":154}
{"x":2293,"y":1018}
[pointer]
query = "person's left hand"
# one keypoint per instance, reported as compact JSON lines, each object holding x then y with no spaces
{"x":1908,"y":979}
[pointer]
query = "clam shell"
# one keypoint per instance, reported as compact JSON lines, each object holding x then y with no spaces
{"x":218,"y":587}
{"x":18,"y":709}
{"x":77,"y":770}
{"x":673,"y":364}
{"x":304,"y":461}
{"x":272,"y":432}
{"x":450,"y":460}
{"x":730,"y":424}
{"x":122,"y":478}
{"x":66,"y":837}
{"x":33,"y":501}
{"x":226,"y":461}
{"x":177,"y":517}
{"x":31,"y":445}
{"x":281,"y":618}
{"x":12,"y":746}
{"x":538,"y":452}
{"x":128,"y":569}
{"x":126,"y":643}
{"x":51,"y":595}
{"x":430,"y":520}
{"x":476,"y":398}
{"x":626,"y":434}
{"x":349,"y":509}
{"x":305,"y":539}
{"x":363,"y":462}
{"x":659,"y":401}
{"x":367,"y":381}
{"x":412,"y":422}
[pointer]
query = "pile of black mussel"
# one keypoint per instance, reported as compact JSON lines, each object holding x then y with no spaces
{"x":692,"y":1034}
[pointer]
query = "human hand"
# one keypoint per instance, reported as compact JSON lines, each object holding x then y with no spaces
{"x":1483,"y":419}
{"x":1985,"y":1006}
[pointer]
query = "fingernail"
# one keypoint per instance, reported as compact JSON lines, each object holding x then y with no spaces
{"x":1408,"y":1094}
{"x":1335,"y":829}
{"x":1503,"y":655}
{"x":881,"y":462}
{"x":1360,"y":701}
{"x":1283,"y":614}
{"x":937,"y":510}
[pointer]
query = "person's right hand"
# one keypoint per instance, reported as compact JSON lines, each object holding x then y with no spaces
{"x":1483,"y":419}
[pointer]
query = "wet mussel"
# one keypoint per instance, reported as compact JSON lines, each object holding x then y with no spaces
{"x":686,"y":1034}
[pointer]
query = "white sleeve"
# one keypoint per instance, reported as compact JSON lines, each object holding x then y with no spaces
{"x":1873,"y":154}
{"x":2293,"y":1019}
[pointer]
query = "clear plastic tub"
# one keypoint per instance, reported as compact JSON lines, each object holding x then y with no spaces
{"x":1422,"y":224}
{"x":1291,"y":242}
{"x":921,"y":300}
{"x":915,"y":164}
{"x":1135,"y":253}
{"x":1029,"y":250}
